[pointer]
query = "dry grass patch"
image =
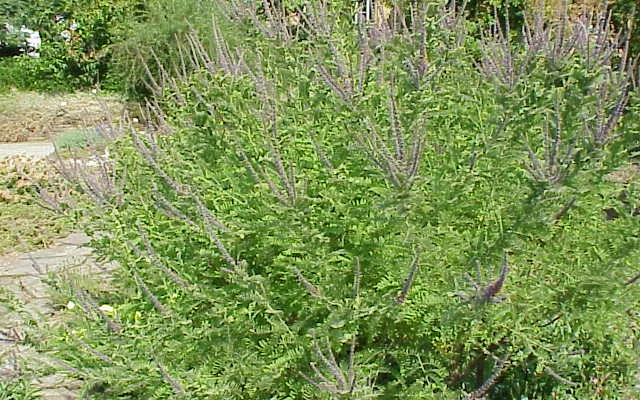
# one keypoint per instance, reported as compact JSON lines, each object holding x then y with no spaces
{"x":25,"y":223}
{"x":29,"y":115}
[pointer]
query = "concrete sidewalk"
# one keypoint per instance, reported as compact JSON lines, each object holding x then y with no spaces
{"x":23,"y":276}
{"x":32,"y":149}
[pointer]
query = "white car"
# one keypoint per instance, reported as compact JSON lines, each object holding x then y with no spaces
{"x":22,"y":41}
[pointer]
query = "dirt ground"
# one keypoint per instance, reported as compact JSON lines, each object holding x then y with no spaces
{"x":26,"y":116}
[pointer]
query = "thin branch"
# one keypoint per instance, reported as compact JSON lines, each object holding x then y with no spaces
{"x":98,"y":354}
{"x":311,"y":289}
{"x":559,"y":378}
{"x":564,"y":209}
{"x":175,"y":385}
{"x":408,"y":282}
{"x":482,"y":391}
{"x":152,"y":298}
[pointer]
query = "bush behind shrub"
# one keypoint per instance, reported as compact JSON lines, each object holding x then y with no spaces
{"x":80,"y":60}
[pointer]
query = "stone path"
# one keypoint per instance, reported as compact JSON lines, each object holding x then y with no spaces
{"x":22,"y":277}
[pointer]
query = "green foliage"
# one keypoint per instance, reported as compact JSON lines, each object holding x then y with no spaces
{"x":318,"y":227}
{"x":626,"y":14}
{"x":155,"y":38}
{"x":80,"y":60}
{"x":9,"y":16}
{"x":41,"y":74}
{"x":11,"y":10}
{"x":78,"y":139}
{"x":18,"y":389}
{"x":11,"y":39}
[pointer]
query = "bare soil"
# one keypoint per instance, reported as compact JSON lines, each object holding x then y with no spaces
{"x":26,"y":116}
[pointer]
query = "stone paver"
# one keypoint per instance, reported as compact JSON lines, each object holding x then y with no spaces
{"x":23,"y":276}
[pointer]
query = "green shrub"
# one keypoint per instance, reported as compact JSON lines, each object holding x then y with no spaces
{"x":78,"y":138}
{"x":82,"y":60}
{"x":41,"y":74}
{"x":156,"y":38}
{"x":358,"y":213}
{"x":17,"y":390}
{"x":11,"y":13}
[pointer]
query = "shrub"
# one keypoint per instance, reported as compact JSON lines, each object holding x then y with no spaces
{"x":41,"y":74}
{"x":158,"y":36}
{"x":373,"y":209}
{"x":11,"y":11}
{"x":16,"y":389}
{"x":78,"y":138}
{"x":75,"y":49}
